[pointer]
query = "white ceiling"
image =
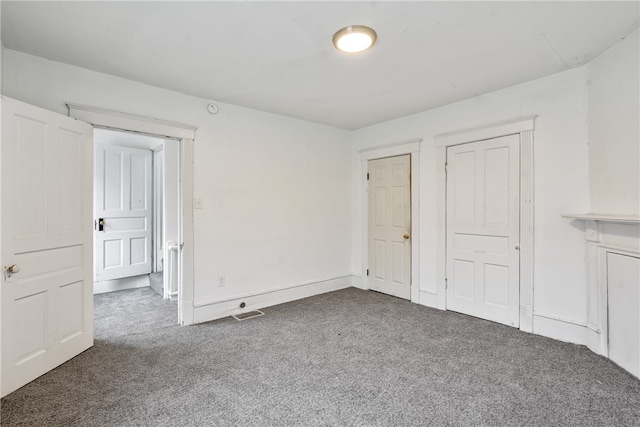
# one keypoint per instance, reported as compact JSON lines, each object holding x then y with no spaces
{"x":278,"y":56}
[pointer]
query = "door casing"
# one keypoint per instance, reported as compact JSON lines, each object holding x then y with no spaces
{"x":100,"y":117}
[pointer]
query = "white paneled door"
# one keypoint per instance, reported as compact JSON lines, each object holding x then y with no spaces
{"x":483,"y":223}
{"x":46,"y":293}
{"x":390,"y":226}
{"x":123,"y":194}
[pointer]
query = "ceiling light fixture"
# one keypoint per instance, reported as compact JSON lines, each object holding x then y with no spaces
{"x":354,"y":38}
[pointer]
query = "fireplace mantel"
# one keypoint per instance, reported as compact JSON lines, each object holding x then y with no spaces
{"x":607,"y":237}
{"x":622,"y":219}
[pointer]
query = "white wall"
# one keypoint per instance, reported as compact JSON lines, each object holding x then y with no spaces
{"x":277,"y":210}
{"x":614,"y":136}
{"x":560,"y":186}
{"x":276,"y":200}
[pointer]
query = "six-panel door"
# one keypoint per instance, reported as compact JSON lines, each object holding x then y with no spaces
{"x":483,"y":222}
{"x":390,"y":226}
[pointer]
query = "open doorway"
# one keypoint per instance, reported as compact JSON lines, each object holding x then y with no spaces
{"x":47,"y":290}
{"x":136,"y":207}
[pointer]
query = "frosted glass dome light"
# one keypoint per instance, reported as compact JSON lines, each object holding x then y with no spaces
{"x":354,"y":38}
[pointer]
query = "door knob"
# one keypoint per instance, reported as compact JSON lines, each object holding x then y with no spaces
{"x":406,"y":236}
{"x":12,"y":269}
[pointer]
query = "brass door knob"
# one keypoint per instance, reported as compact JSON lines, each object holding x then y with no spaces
{"x":406,"y":236}
{"x":12,"y":269}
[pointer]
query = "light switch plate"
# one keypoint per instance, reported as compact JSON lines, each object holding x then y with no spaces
{"x":197,"y":203}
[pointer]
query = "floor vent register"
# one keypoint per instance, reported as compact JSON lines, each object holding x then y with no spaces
{"x":248,"y":315}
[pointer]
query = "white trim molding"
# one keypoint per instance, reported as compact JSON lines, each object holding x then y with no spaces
{"x":524,"y":128}
{"x":390,"y":150}
{"x":101,"y":117}
{"x":399,"y":149}
{"x":258,"y":300}
{"x":509,"y":127}
{"x":428,"y":298}
{"x":622,"y":219}
{"x":187,"y":267}
{"x":560,"y":328}
{"x":121,"y":284}
{"x":356,"y":282}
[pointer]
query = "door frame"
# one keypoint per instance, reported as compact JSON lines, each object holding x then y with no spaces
{"x":524,"y":128}
{"x":100,"y":117}
{"x":157,"y":243}
{"x":399,"y":149}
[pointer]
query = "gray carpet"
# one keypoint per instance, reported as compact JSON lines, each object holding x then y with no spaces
{"x":132,"y":311}
{"x":345,"y":358}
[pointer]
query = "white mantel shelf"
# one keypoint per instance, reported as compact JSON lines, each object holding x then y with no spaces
{"x":624,"y":219}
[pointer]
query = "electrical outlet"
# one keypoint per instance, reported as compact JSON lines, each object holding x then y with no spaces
{"x":221,"y":281}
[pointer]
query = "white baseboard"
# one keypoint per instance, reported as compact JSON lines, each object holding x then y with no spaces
{"x":254,"y":301}
{"x":429,"y":299}
{"x":597,"y":342}
{"x":121,"y":284}
{"x":559,"y":328}
{"x":357,"y":282}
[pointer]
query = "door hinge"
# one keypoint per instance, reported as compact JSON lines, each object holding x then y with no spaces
{"x":367,"y":271}
{"x":446,"y":284}
{"x":367,"y":176}
{"x":445,"y":167}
